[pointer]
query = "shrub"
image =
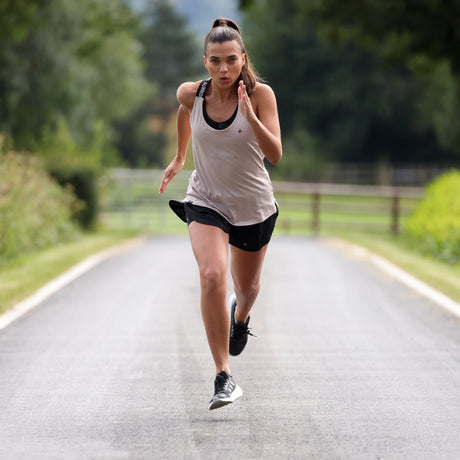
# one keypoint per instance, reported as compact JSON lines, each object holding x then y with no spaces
{"x":35,"y":212}
{"x":76,"y":169}
{"x":83,"y":182}
{"x":435,"y":223}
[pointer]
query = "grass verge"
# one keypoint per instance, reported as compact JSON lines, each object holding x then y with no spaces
{"x":439,"y":275}
{"x":22,"y":277}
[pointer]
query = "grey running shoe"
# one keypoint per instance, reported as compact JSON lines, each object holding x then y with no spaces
{"x":238,"y":331}
{"x":225,"y":391}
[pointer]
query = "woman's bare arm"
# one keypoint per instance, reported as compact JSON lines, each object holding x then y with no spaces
{"x":262,"y":114}
{"x":185,"y":96}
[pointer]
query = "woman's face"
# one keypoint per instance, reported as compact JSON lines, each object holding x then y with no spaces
{"x":224,"y":62}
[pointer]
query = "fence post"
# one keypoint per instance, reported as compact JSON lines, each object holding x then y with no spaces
{"x":395,"y":214}
{"x":315,"y":211}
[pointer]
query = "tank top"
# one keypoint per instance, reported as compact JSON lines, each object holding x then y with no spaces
{"x":230,"y":176}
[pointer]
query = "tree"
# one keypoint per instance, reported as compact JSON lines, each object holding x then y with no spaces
{"x":401,"y":29}
{"x":16,"y":16}
{"x":172,"y":55}
{"x":355,"y":107}
{"x":77,"y":64}
{"x":420,"y":34}
{"x":171,"y":51}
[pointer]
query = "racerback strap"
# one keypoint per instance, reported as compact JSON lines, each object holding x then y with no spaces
{"x":203,"y":87}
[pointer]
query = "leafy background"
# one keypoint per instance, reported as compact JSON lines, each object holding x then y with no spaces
{"x":88,"y":86}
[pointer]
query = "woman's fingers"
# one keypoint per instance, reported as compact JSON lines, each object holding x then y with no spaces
{"x":241,"y":90}
{"x":244,"y":101}
{"x":174,"y":168}
{"x":163,"y":185}
{"x":166,"y":179}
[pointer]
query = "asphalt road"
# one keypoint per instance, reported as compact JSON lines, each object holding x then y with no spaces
{"x":347,"y":364}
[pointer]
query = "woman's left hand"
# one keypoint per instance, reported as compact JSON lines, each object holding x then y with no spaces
{"x":245,"y":103}
{"x":262,"y":115}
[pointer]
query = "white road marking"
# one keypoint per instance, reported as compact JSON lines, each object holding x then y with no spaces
{"x":397,"y":273}
{"x":53,"y":286}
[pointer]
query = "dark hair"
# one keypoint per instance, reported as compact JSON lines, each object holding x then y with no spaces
{"x":225,"y":30}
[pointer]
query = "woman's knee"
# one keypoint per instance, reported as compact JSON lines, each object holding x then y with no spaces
{"x":247,"y":289}
{"x":213,"y":277}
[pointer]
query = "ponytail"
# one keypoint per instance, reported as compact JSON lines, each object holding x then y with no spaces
{"x":224,"y":30}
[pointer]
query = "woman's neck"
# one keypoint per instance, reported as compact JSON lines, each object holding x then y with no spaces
{"x":221,"y":94}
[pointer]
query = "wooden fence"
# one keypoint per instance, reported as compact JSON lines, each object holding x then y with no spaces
{"x":132,"y":201}
{"x":345,"y":207}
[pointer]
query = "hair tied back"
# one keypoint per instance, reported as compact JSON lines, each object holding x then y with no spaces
{"x":225,"y":30}
{"x":223,"y":22}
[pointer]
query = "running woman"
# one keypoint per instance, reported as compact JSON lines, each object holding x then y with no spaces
{"x":232,"y":118}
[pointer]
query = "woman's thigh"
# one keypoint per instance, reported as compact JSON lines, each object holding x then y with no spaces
{"x":210,"y":247}
{"x":246,"y":267}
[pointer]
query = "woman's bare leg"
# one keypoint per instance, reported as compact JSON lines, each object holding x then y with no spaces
{"x":210,"y":247}
{"x":246,"y":268}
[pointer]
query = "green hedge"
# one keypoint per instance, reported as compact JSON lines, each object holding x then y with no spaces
{"x":435,"y":224}
{"x":35,"y":212}
{"x":83,"y":182}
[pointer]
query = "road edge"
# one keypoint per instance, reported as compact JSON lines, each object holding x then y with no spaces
{"x":50,"y":288}
{"x":394,"y":271}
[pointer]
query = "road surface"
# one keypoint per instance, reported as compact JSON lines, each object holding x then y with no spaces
{"x":347,"y":364}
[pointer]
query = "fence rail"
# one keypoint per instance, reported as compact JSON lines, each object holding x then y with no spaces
{"x":347,"y":189}
{"x":133,"y":201}
{"x":354,"y":201}
{"x":379,"y":201}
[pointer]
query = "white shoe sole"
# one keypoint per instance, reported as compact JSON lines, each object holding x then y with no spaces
{"x":216,"y":403}
{"x":230,"y":301}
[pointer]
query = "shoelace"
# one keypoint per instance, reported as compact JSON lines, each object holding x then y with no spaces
{"x":221,"y":383}
{"x":241,"y":330}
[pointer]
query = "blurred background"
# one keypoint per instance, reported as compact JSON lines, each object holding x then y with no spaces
{"x":368,"y":95}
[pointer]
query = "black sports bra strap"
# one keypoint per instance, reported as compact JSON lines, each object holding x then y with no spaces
{"x":202,"y":88}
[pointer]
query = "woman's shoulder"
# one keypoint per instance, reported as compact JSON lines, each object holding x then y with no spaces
{"x":262,"y":98}
{"x":186,"y":93}
{"x":262,"y":90}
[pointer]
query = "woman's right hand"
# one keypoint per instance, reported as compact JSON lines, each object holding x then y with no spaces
{"x":174,"y":168}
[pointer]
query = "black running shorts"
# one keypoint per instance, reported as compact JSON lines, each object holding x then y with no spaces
{"x":246,"y":237}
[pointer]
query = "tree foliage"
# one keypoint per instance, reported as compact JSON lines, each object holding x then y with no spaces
{"x":420,"y":34}
{"x":172,"y":55}
{"x":401,"y":29}
{"x":355,"y":107}
{"x":34,"y":211}
{"x":77,"y":63}
{"x":434,"y":225}
{"x":16,"y":16}
{"x":79,"y":80}
{"x":171,"y":51}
